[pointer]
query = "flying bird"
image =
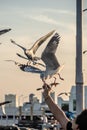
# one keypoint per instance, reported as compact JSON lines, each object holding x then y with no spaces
{"x":6,"y":102}
{"x":49,"y":58}
{"x":31,"y":53}
{"x":84,"y":10}
{"x":64,"y":93}
{"x":84,"y":51}
{"x":4,"y":31}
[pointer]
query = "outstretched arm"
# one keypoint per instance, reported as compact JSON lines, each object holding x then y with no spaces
{"x":56,"y":110}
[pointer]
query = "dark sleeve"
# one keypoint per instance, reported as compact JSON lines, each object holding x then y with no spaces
{"x":69,"y":126}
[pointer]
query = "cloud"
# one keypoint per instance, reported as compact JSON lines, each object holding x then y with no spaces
{"x":45,"y":19}
{"x":57,"y":11}
{"x":50,"y":20}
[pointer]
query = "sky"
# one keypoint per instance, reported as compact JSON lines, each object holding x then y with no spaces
{"x":30,"y":20}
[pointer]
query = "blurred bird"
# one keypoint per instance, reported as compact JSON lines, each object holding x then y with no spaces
{"x":30,"y":53}
{"x":84,"y":51}
{"x":4,"y":31}
{"x":6,"y":102}
{"x":2,"y":104}
{"x":64,"y":93}
{"x":84,"y":10}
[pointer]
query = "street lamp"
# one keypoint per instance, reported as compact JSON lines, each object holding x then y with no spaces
{"x":79,"y":73}
{"x":19,"y":107}
{"x":19,"y":99}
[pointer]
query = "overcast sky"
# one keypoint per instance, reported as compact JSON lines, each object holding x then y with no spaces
{"x":29,"y":20}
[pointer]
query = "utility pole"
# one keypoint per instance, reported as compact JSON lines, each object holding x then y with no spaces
{"x":79,"y":73}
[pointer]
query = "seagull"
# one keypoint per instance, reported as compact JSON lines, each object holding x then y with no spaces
{"x":4,"y":31}
{"x":65,"y":93}
{"x":49,"y":58}
{"x":84,"y":10}
{"x":30,"y":53}
{"x":84,"y":51}
{"x":6,"y":102}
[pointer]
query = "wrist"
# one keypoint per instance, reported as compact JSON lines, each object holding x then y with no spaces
{"x":46,"y":98}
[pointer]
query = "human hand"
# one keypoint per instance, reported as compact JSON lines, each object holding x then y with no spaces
{"x":46,"y":91}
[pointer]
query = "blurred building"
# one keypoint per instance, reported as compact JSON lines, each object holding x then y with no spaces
{"x":12,"y":98}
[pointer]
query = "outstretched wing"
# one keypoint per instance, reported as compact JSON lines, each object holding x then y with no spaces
{"x":23,"y":48}
{"x":30,"y":68}
{"x":38,"y":43}
{"x":48,"y":55}
{"x":22,"y":56}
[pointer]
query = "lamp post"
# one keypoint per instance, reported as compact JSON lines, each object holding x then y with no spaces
{"x":19,"y":99}
{"x":79,"y":73}
{"x":20,"y":107}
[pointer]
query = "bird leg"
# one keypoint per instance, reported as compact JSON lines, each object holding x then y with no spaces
{"x":54,"y":83}
{"x":60,"y":77}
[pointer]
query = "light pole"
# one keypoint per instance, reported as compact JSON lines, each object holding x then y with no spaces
{"x":19,"y":99}
{"x":20,"y":107}
{"x":79,"y":73}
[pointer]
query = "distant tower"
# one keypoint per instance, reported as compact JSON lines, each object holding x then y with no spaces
{"x":31,"y":97}
{"x":72,"y":99}
{"x":85,"y":96}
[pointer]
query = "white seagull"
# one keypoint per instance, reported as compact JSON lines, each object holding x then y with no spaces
{"x":30,"y":53}
{"x":64,"y":93}
{"x":49,"y":58}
